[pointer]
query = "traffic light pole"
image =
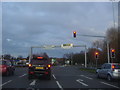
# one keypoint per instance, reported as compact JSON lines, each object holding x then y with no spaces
{"x":85,"y":56}
{"x":53,"y":46}
{"x":96,"y":63}
{"x":108,"y":52}
{"x":108,"y":49}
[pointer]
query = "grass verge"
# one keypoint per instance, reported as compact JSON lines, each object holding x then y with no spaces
{"x":88,"y":70}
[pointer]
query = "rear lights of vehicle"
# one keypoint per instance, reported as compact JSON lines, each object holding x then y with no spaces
{"x":48,"y":65}
{"x":113,"y":67}
{"x":30,"y":65}
{"x":46,"y":72}
{"x":31,"y":72}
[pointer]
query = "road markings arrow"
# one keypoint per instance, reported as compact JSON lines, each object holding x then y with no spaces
{"x":80,"y":81}
{"x":33,"y":83}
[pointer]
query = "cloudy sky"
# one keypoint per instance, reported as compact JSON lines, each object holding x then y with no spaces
{"x":26,"y":24}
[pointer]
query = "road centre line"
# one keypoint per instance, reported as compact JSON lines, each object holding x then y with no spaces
{"x":110,"y":85}
{"x":33,"y":83}
{"x":54,"y":76}
{"x":59,"y":85}
{"x":22,"y":75}
{"x":81,"y":83}
{"x":5,"y":83}
{"x":86,"y":77}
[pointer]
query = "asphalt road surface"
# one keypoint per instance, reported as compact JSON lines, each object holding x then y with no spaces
{"x":63,"y":77}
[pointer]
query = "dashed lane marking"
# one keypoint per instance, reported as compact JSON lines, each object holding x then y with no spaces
{"x":59,"y":85}
{"x":54,"y":76}
{"x":5,"y":83}
{"x":23,"y":75}
{"x":110,"y":85}
{"x":86,"y":77}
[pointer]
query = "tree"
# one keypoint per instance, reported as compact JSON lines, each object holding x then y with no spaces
{"x":20,"y":57}
{"x":7,"y":56}
{"x":112,"y":35}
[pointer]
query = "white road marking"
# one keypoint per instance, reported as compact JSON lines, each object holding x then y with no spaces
{"x":33,"y":83}
{"x":79,"y":80}
{"x":59,"y":85}
{"x":54,"y":76}
{"x":110,"y":85}
{"x":81,"y":83}
{"x":5,"y":83}
{"x":86,"y":77}
{"x":22,"y":75}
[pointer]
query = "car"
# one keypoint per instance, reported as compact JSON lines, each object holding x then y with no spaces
{"x":110,"y":71}
{"x":39,"y":66}
{"x":6,"y":68}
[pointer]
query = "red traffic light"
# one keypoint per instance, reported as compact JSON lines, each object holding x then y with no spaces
{"x":112,"y":53}
{"x":74,"y":34}
{"x":96,"y":53}
{"x":112,"y":50}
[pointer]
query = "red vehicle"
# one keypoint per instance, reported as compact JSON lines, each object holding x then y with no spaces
{"x":6,"y":68}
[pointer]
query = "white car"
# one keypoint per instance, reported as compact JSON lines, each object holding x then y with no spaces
{"x":109,"y":70}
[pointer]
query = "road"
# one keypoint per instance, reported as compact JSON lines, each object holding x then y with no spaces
{"x":62,"y":77}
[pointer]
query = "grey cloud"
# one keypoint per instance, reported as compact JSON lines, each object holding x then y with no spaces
{"x":29,"y":24}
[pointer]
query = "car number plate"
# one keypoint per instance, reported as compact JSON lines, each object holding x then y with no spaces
{"x":39,"y":68}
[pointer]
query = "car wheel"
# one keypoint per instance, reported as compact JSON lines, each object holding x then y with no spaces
{"x":109,"y":78}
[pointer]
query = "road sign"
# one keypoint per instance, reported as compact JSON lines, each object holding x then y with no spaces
{"x":48,"y":46}
{"x":66,"y":46}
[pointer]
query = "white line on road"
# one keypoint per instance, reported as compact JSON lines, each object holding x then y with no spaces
{"x":86,"y":77}
{"x":5,"y":83}
{"x":22,"y":75}
{"x":110,"y":85}
{"x":54,"y":76}
{"x":81,"y":83}
{"x":79,"y":80}
{"x":59,"y":85}
{"x":33,"y":83}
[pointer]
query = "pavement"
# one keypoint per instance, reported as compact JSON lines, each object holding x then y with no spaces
{"x":63,"y":77}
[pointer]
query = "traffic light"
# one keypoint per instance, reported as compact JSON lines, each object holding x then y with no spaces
{"x":74,"y":34}
{"x":112,"y":53}
{"x":96,"y":55}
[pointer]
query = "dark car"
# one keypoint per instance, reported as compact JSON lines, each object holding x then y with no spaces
{"x":39,"y":66}
{"x":6,"y":68}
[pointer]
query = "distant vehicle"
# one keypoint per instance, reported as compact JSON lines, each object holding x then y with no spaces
{"x":6,"y":68}
{"x":109,"y":71}
{"x":39,"y":66}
